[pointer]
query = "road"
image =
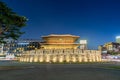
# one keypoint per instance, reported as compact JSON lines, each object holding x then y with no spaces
{"x":36,"y":71}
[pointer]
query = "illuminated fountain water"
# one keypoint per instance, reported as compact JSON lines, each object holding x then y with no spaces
{"x":93,"y":58}
{"x":61,"y":58}
{"x":79,"y":58}
{"x":98,"y":58}
{"x":54,"y":59}
{"x":31,"y":58}
{"x":67,"y":58}
{"x":85,"y":59}
{"x":88,"y":56}
{"x":21,"y":59}
{"x":24,"y":59}
{"x":74,"y":59}
{"x":36,"y":58}
{"x":41,"y":58}
{"x":47,"y":58}
{"x":27,"y":60}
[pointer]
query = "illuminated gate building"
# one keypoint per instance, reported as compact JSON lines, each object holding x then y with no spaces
{"x":60,"y":48}
{"x":60,"y":42}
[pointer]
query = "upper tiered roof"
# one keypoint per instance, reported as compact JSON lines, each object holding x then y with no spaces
{"x":61,"y":35}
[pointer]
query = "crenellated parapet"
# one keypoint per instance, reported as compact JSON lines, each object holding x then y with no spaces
{"x":61,"y":55}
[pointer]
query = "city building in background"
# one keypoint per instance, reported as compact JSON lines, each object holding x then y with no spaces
{"x":118,"y":39}
{"x":83,"y":44}
{"x":109,"y":47}
{"x":20,"y":45}
{"x":112,"y":46}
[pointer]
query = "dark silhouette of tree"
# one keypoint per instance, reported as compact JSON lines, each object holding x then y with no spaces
{"x":10,"y":23}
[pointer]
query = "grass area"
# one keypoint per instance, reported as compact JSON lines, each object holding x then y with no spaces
{"x":112,"y":67}
{"x":11,"y":67}
{"x":23,"y":65}
{"x":64,"y":71}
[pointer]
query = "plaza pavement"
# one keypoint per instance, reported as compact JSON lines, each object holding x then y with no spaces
{"x":36,"y":71}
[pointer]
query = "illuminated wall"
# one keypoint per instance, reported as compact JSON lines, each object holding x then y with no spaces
{"x":61,"y":55}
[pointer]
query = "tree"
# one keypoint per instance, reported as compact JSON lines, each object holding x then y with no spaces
{"x":10,"y":23}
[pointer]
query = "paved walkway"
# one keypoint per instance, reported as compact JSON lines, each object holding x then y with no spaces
{"x":57,"y":72}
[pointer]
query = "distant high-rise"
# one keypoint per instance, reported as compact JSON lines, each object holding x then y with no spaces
{"x":83,"y":44}
{"x":118,"y":39}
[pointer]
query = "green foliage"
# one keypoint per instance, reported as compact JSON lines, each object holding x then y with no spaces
{"x":10,"y":23}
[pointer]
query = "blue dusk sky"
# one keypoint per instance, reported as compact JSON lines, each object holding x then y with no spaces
{"x":98,"y":21}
